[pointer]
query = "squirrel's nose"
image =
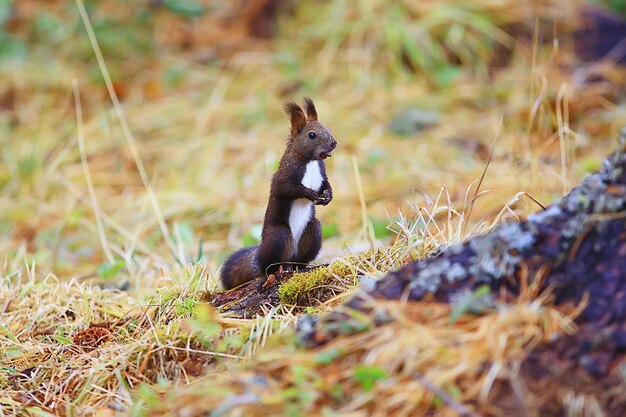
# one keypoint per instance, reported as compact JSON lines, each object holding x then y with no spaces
{"x":333,"y":144}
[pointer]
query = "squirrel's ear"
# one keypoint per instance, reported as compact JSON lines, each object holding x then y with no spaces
{"x":311,"y":113}
{"x":298,"y":119}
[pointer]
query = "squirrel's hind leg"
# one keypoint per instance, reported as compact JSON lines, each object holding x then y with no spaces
{"x":276,"y":247}
{"x":310,"y":242}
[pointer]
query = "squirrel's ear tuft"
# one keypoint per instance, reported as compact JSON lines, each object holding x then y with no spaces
{"x":311,"y":113}
{"x":298,"y":119}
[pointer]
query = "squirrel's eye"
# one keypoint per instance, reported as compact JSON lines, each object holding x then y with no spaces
{"x":312,"y":135}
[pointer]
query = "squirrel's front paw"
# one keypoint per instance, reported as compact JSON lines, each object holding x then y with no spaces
{"x":324,"y":198}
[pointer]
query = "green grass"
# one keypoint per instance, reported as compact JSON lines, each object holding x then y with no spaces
{"x":86,"y":238}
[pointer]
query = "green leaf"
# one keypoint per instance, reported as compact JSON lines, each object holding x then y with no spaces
{"x":413,"y":52}
{"x":327,"y":357}
{"x":253,"y":237}
{"x":148,"y":395}
{"x":454,"y":391}
{"x":13,"y":351}
{"x":380,"y":227}
{"x":62,"y":339}
{"x":8,"y":333}
{"x":591,"y":164}
{"x":367,"y":376}
{"x":185,"y":229}
{"x":204,"y":323}
{"x":329,"y":230}
{"x":185,"y":8}
{"x":47,"y":26}
{"x":186,"y":307}
{"x":74,"y":217}
{"x":11,"y":370}
{"x":617,"y":5}
{"x":109,"y":270}
{"x":27,"y":166}
{"x":446,"y":75}
{"x":229,"y":343}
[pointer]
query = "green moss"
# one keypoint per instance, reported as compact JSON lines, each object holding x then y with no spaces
{"x":373,"y":262}
{"x":302,"y":283}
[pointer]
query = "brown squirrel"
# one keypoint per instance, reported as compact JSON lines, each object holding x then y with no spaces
{"x":291,"y":233}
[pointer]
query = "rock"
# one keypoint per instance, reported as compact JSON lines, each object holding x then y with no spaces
{"x":413,"y":120}
{"x":577,"y":245}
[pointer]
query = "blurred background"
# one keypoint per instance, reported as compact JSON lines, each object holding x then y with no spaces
{"x":417,"y":94}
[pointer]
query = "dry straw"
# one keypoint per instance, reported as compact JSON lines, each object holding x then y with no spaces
{"x":145,"y":198}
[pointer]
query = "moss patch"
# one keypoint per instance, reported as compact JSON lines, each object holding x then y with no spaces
{"x":325,"y":282}
{"x":318,"y":285}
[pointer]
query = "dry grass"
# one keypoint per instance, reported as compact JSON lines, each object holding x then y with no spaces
{"x":83,"y":347}
{"x":75,"y":209}
{"x":399,"y":369}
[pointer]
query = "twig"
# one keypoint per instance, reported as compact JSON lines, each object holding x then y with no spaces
{"x":359,"y":186}
{"x":130,"y":140}
{"x":6,"y":306}
{"x":83,"y":159}
{"x":44,"y":332}
{"x":482,"y":177}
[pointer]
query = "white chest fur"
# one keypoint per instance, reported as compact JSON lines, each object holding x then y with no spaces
{"x":302,"y":208}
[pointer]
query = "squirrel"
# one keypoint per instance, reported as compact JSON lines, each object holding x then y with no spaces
{"x":291,"y":232}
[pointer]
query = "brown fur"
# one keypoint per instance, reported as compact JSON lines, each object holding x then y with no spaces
{"x":309,"y":140}
{"x":239,"y":267}
{"x":311,"y":113}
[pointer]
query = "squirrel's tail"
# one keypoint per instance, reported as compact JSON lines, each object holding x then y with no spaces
{"x":240,"y":267}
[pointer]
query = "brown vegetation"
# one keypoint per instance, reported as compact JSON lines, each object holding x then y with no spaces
{"x":113,"y":225}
